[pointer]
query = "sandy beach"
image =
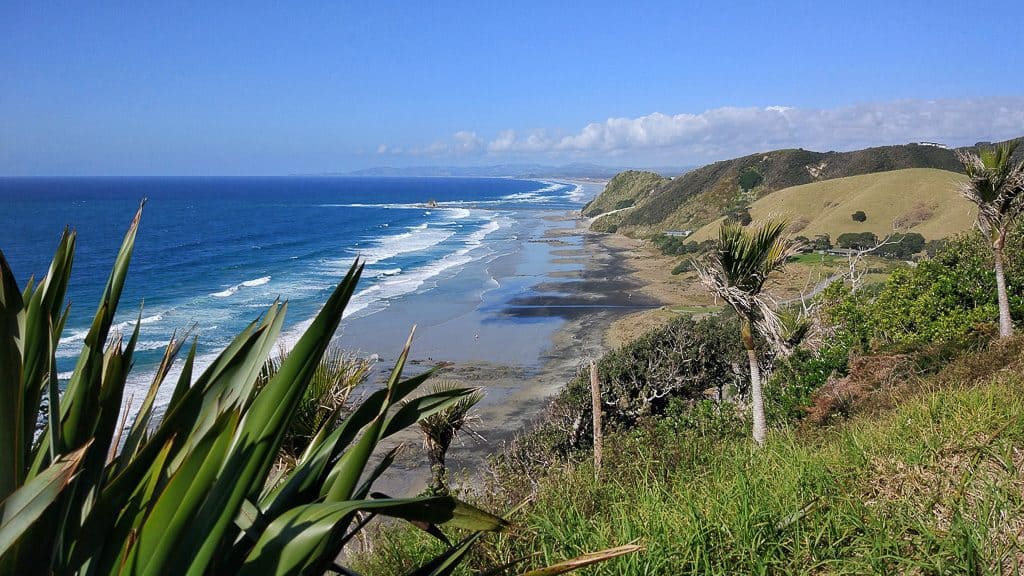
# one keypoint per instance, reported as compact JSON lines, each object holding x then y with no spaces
{"x":608,"y":282}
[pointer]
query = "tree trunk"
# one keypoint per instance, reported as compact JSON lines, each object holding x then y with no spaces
{"x":756,"y":399}
{"x":1005,"y":322}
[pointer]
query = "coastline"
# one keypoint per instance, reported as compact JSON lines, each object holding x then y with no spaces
{"x":602,"y":286}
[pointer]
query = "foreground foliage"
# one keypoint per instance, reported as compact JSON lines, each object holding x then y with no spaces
{"x":931,"y":486}
{"x":189,"y":492}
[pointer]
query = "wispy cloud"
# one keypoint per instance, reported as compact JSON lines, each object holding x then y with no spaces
{"x":732,"y":131}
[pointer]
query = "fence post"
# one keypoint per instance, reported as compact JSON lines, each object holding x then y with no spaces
{"x":595,"y":396}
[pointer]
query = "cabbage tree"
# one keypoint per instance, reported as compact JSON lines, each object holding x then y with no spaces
{"x":736,"y":271}
{"x":996,"y":185}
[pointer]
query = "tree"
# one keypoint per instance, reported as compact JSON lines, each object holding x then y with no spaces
{"x":443,"y":426}
{"x":736,"y":271}
{"x":995,"y":184}
{"x":859,"y":216}
{"x":857,"y":240}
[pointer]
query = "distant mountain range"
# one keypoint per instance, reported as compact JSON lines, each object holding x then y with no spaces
{"x":576,"y":170}
{"x":645,"y":203}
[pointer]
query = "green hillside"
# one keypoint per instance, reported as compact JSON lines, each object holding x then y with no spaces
{"x":705,"y":194}
{"x":624,"y":190}
{"x":701,"y":196}
{"x":922,"y":200}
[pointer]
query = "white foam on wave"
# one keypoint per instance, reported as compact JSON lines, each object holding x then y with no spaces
{"x":75,"y":336}
{"x":247,"y":284}
{"x":79,"y":335}
{"x":451,"y":209}
{"x":415,"y":240}
{"x":577,"y":193}
{"x":378,"y":295}
{"x":539,"y":195}
{"x":457,"y":213}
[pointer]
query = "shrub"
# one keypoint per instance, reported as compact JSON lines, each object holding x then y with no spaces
{"x":822,"y":242}
{"x":842,"y":396}
{"x":902,"y":246}
{"x":857,"y":240}
{"x":685,"y":266}
{"x":739,"y":216}
{"x":749,"y":178}
{"x":859,"y":216}
{"x":948,"y":298}
{"x":190,"y":492}
{"x":680,"y":361}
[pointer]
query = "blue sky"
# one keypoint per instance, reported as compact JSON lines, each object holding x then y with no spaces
{"x":137,"y":89}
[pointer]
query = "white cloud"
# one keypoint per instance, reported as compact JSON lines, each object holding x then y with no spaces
{"x":467,"y":142}
{"x":732,"y":131}
{"x":382,"y":149}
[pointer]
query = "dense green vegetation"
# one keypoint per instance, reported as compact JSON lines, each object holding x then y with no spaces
{"x":190,"y":491}
{"x":894,"y":444}
{"x":623,"y":191}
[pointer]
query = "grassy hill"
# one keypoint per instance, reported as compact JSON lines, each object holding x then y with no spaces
{"x":922,"y":200}
{"x":625,"y":189}
{"x":703,"y":195}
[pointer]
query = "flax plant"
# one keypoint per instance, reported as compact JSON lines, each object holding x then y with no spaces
{"x":189,"y":492}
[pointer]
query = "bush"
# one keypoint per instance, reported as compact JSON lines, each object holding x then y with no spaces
{"x":739,"y":216}
{"x":857,"y":240}
{"x":950,"y":298}
{"x":679,"y":361}
{"x":685,"y":266}
{"x":749,"y":178}
{"x":677,"y":245}
{"x":859,"y":216}
{"x":796,"y":379}
{"x":902,"y":246}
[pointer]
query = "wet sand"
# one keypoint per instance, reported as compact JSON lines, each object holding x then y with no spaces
{"x":603,"y":288}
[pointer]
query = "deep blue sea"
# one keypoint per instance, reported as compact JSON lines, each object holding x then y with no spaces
{"x":213,"y":253}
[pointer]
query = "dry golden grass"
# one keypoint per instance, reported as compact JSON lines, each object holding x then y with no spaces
{"x":925,"y":199}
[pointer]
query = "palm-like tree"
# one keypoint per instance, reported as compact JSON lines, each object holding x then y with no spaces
{"x":996,"y":185}
{"x":442,"y":427}
{"x":736,"y":272}
{"x":335,"y":377}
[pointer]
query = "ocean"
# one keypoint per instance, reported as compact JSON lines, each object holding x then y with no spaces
{"x":449,"y":254}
